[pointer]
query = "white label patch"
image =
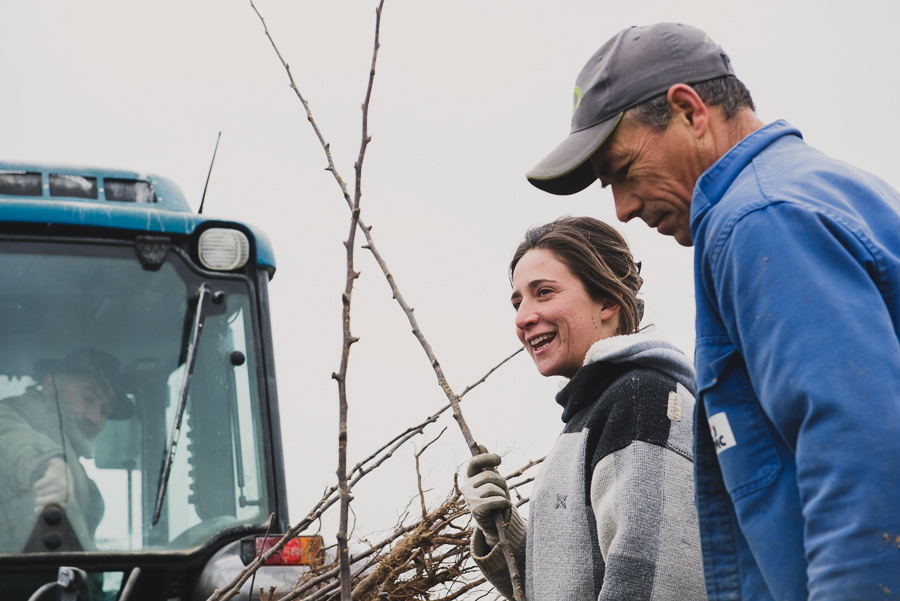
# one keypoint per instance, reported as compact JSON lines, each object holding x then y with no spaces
{"x":721,"y":432}
{"x":674,"y":411}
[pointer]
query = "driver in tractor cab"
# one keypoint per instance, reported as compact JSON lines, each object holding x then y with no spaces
{"x":43,"y":433}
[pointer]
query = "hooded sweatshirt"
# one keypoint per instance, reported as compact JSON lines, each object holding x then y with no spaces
{"x":612,"y":513}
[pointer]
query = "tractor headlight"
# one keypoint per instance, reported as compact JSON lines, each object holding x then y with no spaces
{"x":223,"y":249}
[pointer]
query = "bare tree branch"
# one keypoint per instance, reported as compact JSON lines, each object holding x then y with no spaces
{"x":349,"y":339}
{"x":325,"y":145}
{"x":265,"y":537}
{"x":419,"y":473}
{"x":407,"y":434}
{"x":493,"y":369}
{"x":527,"y":467}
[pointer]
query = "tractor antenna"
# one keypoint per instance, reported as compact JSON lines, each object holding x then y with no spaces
{"x":213,"y":162}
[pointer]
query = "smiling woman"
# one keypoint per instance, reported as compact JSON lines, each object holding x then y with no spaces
{"x":616,"y":491}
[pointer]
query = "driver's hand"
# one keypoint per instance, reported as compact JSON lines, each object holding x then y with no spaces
{"x":55,"y":486}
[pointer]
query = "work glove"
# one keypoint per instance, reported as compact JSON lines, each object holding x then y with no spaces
{"x":485,"y":492}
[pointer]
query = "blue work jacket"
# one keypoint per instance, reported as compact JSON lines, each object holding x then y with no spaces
{"x":797,"y":446}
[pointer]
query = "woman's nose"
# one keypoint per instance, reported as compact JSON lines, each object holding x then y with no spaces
{"x":526,"y":316}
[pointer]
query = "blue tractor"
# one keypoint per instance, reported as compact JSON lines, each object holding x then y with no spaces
{"x":140,"y":444}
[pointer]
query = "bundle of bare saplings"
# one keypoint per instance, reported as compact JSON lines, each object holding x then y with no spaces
{"x":426,"y":558}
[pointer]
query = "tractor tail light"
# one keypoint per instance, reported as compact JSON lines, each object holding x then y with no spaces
{"x":299,"y":551}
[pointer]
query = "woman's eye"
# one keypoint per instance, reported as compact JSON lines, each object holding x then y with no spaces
{"x":516,"y":305}
{"x":544,"y":292}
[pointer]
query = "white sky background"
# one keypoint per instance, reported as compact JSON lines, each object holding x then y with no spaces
{"x":468,"y":96}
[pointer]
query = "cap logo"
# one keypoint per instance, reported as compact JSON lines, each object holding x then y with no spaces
{"x":577,"y":99}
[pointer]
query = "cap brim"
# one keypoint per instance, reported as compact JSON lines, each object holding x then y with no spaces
{"x":566,"y":170}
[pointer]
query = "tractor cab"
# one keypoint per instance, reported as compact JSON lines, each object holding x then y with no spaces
{"x":138,"y":413}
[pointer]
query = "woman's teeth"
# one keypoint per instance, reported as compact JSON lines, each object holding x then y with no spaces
{"x":541,"y":341}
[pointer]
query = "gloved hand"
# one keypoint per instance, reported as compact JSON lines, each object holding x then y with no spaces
{"x":485,"y":492}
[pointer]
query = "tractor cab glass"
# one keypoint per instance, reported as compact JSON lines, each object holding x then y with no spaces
{"x":93,"y":371}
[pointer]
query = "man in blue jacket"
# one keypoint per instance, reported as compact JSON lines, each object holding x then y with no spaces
{"x":797,"y":279}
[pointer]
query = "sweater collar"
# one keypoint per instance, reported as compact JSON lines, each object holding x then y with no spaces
{"x":645,"y":349}
{"x":588,"y":384}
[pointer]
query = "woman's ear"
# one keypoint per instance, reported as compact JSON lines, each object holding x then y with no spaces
{"x":609,"y":309}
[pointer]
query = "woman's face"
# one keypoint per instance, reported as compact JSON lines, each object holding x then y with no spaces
{"x":556,"y":320}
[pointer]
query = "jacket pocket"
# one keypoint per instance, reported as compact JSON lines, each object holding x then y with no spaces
{"x":744,"y":446}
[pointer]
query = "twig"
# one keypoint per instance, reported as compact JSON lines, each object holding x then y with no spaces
{"x":261,"y":547}
{"x":407,"y":434}
{"x":525,"y":468}
{"x":419,"y":472}
{"x":521,"y":483}
{"x":270,"y":596}
{"x":485,"y":377}
{"x":309,"y":116}
{"x":349,"y":339}
{"x":465,"y":589}
{"x":454,"y":403}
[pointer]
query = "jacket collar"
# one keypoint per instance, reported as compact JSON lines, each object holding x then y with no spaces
{"x":716,"y":180}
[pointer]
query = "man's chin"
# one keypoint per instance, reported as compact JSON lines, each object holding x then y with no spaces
{"x":84,"y":445}
{"x":679,"y":231}
{"x":684,"y":239}
{"x":682,"y":235}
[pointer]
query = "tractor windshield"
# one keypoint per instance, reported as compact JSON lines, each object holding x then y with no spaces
{"x":92,"y":371}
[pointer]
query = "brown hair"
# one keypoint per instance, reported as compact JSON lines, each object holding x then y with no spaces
{"x":597,"y":255}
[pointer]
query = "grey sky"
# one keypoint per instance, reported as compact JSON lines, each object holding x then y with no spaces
{"x":468,"y":96}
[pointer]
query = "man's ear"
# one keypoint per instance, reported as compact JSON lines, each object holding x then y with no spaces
{"x":688,"y":109}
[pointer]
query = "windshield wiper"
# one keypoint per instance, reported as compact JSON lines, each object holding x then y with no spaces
{"x":191,"y":357}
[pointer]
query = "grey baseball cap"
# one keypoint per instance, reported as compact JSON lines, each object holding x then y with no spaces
{"x":637,"y":64}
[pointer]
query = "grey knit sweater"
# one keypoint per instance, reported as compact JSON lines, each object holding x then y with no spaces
{"x":612,"y":514}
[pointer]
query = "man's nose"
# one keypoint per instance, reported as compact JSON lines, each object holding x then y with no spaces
{"x":628,"y":206}
{"x":94,"y":412}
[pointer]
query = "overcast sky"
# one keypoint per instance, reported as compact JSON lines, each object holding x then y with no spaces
{"x":468,"y":96}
